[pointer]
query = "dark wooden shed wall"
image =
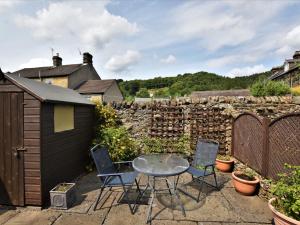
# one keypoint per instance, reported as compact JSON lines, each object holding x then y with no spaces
{"x":65,"y":154}
{"x":32,"y":175}
{"x":32,"y":157}
{"x":51,"y":157}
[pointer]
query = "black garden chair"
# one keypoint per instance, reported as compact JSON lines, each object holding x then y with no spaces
{"x":204,"y":162}
{"x":110,"y":176}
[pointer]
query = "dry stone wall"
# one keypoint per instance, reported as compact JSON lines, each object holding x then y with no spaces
{"x":199,"y":117}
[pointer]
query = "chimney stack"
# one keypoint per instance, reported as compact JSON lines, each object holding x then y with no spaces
{"x":296,"y":55}
{"x":57,"y":61}
{"x":87,"y":58}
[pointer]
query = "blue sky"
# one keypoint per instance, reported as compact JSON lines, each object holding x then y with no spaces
{"x":137,"y":39}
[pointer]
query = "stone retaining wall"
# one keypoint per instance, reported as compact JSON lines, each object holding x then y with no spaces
{"x":199,"y":117}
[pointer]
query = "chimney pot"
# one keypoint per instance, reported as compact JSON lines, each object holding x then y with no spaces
{"x":87,"y":58}
{"x":57,"y":61}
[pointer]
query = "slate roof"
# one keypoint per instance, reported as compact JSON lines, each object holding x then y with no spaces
{"x":47,"y":92}
{"x":48,"y":71}
{"x":281,"y":73}
{"x":95,"y":86}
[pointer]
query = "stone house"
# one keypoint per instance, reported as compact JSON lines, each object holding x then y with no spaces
{"x":289,"y":71}
{"x":103,"y":90}
{"x":73,"y":76}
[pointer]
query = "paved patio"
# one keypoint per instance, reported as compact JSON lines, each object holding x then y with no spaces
{"x":215,"y":208}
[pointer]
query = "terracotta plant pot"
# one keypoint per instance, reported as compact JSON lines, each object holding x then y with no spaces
{"x":224,"y":165}
{"x":245,"y":187}
{"x":279,"y":218}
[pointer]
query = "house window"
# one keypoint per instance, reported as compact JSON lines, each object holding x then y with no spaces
{"x":63,"y":118}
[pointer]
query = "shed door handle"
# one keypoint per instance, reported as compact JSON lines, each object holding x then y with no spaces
{"x":21,"y":149}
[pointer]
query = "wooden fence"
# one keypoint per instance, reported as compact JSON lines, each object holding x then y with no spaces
{"x":266,"y":146}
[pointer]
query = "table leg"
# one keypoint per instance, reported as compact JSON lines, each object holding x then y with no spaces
{"x":175,"y":193}
{"x":152,"y":187}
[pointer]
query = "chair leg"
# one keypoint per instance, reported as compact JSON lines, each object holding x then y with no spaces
{"x":127,"y":199}
{"x":98,"y":198}
{"x":201,"y":186}
{"x":215,"y":176}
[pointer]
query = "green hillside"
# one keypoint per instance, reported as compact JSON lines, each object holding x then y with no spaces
{"x":184,"y":84}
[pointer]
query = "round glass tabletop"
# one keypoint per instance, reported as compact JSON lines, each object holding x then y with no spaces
{"x":160,"y":164}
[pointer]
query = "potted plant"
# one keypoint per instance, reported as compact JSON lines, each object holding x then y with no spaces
{"x":224,"y":163}
{"x":245,"y":182}
{"x":63,"y":196}
{"x":286,"y":204}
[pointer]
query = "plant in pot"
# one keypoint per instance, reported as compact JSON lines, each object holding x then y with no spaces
{"x":63,"y":196}
{"x":224,"y":163}
{"x":286,"y":204}
{"x":245,"y":182}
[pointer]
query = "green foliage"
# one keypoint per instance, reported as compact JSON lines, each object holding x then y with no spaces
{"x":110,"y":133}
{"x":296,"y":91}
{"x":119,"y":142}
{"x":164,"y":145}
{"x":181,"y":85}
{"x":287,"y":191}
{"x":223,"y":157}
{"x":249,"y":173}
{"x":143,"y":93}
{"x":106,"y":116}
{"x":269,"y":88}
{"x":162,"y":93}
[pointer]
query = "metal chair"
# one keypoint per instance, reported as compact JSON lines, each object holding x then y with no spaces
{"x":204,"y":162}
{"x":110,"y":176}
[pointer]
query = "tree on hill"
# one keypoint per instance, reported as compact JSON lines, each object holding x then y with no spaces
{"x":181,"y":85}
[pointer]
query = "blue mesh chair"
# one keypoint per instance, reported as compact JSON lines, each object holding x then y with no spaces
{"x":204,"y":162}
{"x":110,"y":176}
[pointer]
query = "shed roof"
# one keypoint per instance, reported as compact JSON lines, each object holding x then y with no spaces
{"x":95,"y":86}
{"x":47,"y":92}
{"x":48,"y":71}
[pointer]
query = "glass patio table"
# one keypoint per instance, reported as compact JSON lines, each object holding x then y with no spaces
{"x":163,"y":166}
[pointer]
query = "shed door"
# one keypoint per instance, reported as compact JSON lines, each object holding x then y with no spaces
{"x":11,"y":149}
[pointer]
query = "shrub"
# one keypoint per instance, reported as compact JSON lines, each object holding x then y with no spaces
{"x":121,"y":145}
{"x":296,"y":91}
{"x":287,"y":191}
{"x":143,"y":93}
{"x":110,"y":133}
{"x":164,"y":145}
{"x":269,"y":88}
{"x":106,"y":116}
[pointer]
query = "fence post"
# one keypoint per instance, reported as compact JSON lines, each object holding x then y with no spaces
{"x":232,"y":137}
{"x":265,"y":155}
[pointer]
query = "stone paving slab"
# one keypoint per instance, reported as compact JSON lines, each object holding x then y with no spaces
{"x":249,"y":208}
{"x":81,"y":219}
{"x":5,"y":215}
{"x":34,"y":218}
{"x":224,"y":207}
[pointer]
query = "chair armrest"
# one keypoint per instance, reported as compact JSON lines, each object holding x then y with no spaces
{"x":210,"y":165}
{"x":109,"y":174}
{"x":122,"y":162}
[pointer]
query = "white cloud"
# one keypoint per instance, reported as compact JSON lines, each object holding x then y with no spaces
{"x":5,"y":4}
{"x":245,"y":71}
{"x":169,"y":59}
{"x":118,"y":63}
{"x":290,"y":42}
{"x":36,"y":62}
{"x":218,"y":24}
{"x":89,"y":22}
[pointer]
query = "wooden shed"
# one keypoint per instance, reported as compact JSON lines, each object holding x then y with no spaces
{"x":45,"y":134}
